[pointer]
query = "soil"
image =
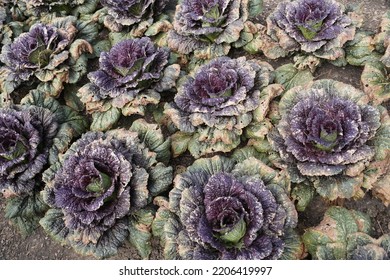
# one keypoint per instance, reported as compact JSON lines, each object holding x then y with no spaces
{"x":39,"y":246}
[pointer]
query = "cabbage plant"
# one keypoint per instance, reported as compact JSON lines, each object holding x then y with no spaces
{"x":221,"y":209}
{"x":320,"y":28}
{"x":214,"y":105}
{"x":48,"y":55}
{"x":344,"y":235}
{"x":59,"y":7}
{"x":131,"y":76}
{"x":32,"y":135}
{"x":131,"y":12}
{"x":327,"y":136}
{"x":209,"y":27}
{"x":99,"y":190}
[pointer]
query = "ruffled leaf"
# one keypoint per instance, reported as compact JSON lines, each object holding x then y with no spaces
{"x":289,"y":76}
{"x":329,"y":240}
{"x":25,"y":212}
{"x":376,"y":82}
{"x":140,"y":232}
{"x":361,"y":49}
{"x":102,"y":121}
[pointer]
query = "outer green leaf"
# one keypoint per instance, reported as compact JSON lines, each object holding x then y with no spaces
{"x":212,"y":51}
{"x":87,"y":8}
{"x":180,"y":142}
{"x":107,"y":244}
{"x":336,"y":186}
{"x":258,"y":130}
{"x":53,"y":223}
{"x":25,"y":212}
{"x":172,"y":233}
{"x":161,"y":217}
{"x":293,"y":247}
{"x":152,"y":136}
{"x":246,"y":35}
{"x":222,"y":141}
{"x":255,"y":7}
{"x":289,"y":76}
{"x":361,"y":49}
{"x":71,"y":98}
{"x":160,"y":179}
{"x":101,"y":46}
{"x":166,"y":227}
{"x":247,"y":152}
{"x":329,"y":239}
{"x":140,"y":231}
{"x":158,"y":27}
{"x":102,"y":121}
{"x":381,"y":141}
{"x":302,"y":194}
{"x":376,"y":82}
{"x":267,"y":95}
{"x":88,"y":29}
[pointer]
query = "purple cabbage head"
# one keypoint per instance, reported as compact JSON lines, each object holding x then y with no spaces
{"x":129,"y":12}
{"x":60,"y":7}
{"x":325,"y":135}
{"x":220,"y":98}
{"x":318,"y":27}
{"x":200,"y":23}
{"x":102,"y":179}
{"x":131,"y":68}
{"x":37,"y":53}
{"x":26,"y":136}
{"x":225,"y":212}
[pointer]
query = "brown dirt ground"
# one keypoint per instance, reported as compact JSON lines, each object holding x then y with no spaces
{"x":40,"y":246}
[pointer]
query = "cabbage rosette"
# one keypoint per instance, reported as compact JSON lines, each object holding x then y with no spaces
{"x":32,"y":135}
{"x":131,"y":76}
{"x":99,"y":191}
{"x":207,"y":28}
{"x":320,"y":28}
{"x":47,"y":55}
{"x":220,"y":209}
{"x":140,"y":15}
{"x":214,"y":105}
{"x":59,"y":7}
{"x":327,"y":137}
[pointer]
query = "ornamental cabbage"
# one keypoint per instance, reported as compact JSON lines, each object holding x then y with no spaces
{"x":201,"y":24}
{"x":131,"y":75}
{"x":31,"y":136}
{"x":344,"y":235}
{"x":327,"y":136}
{"x":130,"y":12}
{"x":27,"y":134}
{"x":318,"y":27}
{"x":220,"y":209}
{"x":100,"y":188}
{"x":61,"y":7}
{"x":45,"y":54}
{"x":214,"y":105}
